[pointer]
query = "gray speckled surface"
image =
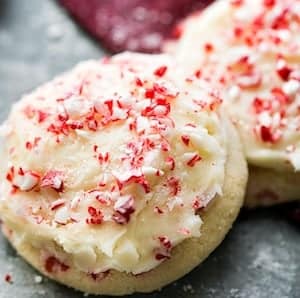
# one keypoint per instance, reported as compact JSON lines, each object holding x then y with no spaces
{"x":259,"y":258}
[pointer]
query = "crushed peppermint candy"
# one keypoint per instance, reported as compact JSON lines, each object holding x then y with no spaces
{"x":24,"y":180}
{"x":52,"y":265}
{"x":8,"y":278}
{"x":255,"y":59}
{"x":96,"y":216}
{"x":53,"y":179}
{"x":62,"y":215}
{"x":112,"y":147}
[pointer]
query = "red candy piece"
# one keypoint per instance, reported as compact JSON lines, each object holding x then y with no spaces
{"x":136,"y":25}
{"x":52,"y":265}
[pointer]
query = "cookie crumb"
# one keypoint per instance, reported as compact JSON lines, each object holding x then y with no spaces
{"x":38,"y":279}
{"x":55,"y":32}
{"x":188,"y":288}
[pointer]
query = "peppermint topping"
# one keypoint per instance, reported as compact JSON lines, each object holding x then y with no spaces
{"x":62,"y":215}
{"x":193,"y":158}
{"x":174,"y":186}
{"x":53,"y":265}
{"x":208,"y":47}
{"x":123,"y":207}
{"x":283,"y":70}
{"x":31,"y":145}
{"x":269,"y":3}
{"x":133,"y":177}
{"x":237,"y":2}
{"x":254,"y":57}
{"x":58,"y":203}
{"x":54,"y":180}
{"x":96,"y":216}
{"x":160,"y":72}
{"x":23,"y":180}
{"x":185,"y":139}
{"x":270,"y":112}
{"x":163,"y":252}
{"x":108,"y":153}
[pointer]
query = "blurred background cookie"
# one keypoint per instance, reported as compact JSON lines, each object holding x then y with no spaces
{"x":120,"y":176}
{"x":251,"y":49}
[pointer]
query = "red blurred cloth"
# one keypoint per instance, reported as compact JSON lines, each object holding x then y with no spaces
{"x":136,"y":25}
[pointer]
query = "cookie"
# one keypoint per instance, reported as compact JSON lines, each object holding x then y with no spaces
{"x":120,"y":176}
{"x":267,"y":187}
{"x":251,"y":49}
{"x":131,"y":25}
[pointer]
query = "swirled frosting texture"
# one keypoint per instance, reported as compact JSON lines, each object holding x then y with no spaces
{"x":111,"y":162}
{"x":252,"y":49}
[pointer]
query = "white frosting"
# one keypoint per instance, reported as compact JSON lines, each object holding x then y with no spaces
{"x":114,"y":160}
{"x":250,"y":49}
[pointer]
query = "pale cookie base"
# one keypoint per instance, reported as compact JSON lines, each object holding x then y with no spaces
{"x":267,"y":187}
{"x":217,"y":220}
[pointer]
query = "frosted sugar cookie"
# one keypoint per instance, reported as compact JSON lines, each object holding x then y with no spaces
{"x":251,"y":48}
{"x":120,"y":176}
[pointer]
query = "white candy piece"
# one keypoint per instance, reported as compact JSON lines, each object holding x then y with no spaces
{"x":26,"y":182}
